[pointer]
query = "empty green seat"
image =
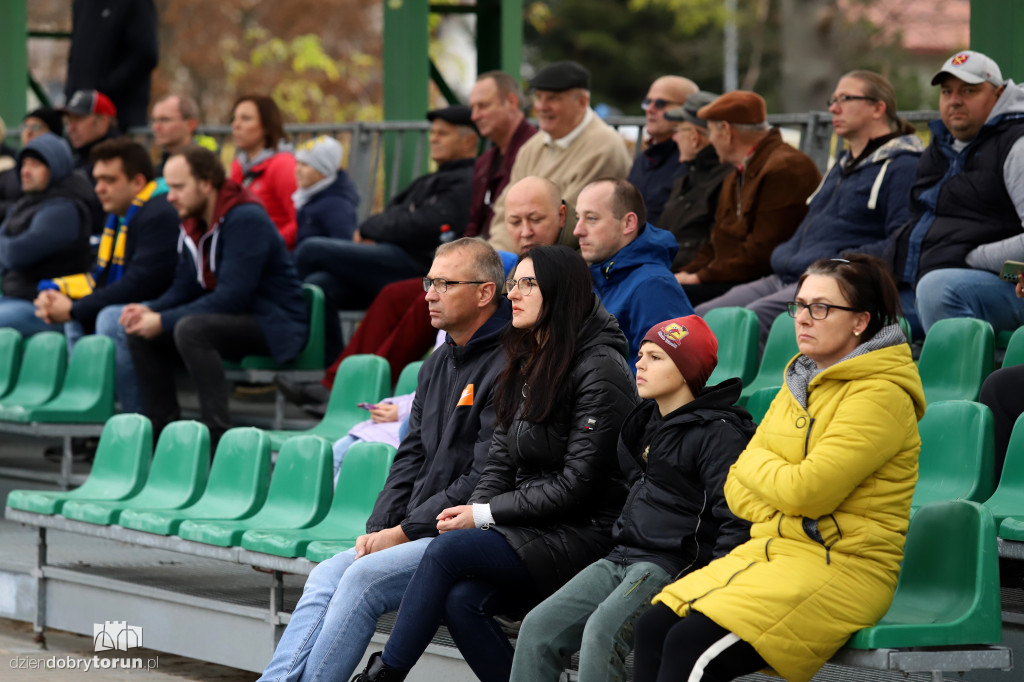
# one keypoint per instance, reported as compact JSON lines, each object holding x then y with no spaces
{"x":957,"y":453}
{"x":311,"y":357}
{"x":948,"y":590}
{"x":1008,"y":499}
{"x":363,"y":473}
{"x":779,"y":349}
{"x":118,"y":472}
{"x":760,"y":401}
{"x":42,"y":372}
{"x":236,"y":487}
{"x":10,"y":358}
{"x":738,"y":335}
{"x":1015,"y":349}
{"x":87,"y":396}
{"x":408,"y":378}
{"x":360,"y":379}
{"x":177,"y":477}
{"x":955,"y":358}
{"x":299,"y":496}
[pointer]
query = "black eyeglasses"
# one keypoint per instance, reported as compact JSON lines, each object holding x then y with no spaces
{"x":658,"y":103}
{"x":843,"y":99}
{"x":818,"y":311}
{"x":441,"y":285}
{"x":525,"y":285}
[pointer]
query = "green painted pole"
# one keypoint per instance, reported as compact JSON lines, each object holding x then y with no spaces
{"x":14,"y":58}
{"x":995,"y":31}
{"x":406,"y":80}
{"x":499,"y":36}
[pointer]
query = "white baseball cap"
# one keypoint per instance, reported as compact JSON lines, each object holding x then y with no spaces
{"x":970,"y":67}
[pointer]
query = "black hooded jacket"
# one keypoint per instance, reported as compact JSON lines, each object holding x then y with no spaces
{"x":553,"y":487}
{"x":676,"y":515}
{"x":440,"y":460}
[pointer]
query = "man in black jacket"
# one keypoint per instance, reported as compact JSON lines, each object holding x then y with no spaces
{"x":675,"y":449}
{"x":437,"y":466}
{"x":136,"y":261}
{"x":397,"y":243}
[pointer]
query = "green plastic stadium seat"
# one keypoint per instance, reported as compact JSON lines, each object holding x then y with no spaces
{"x":118,"y":472}
{"x":87,"y":396}
{"x":1008,"y":499}
{"x":955,"y":358}
{"x":312,"y":354}
{"x":738,"y":338}
{"x":1003,"y":338}
{"x":177,"y":477}
{"x":779,"y":349}
{"x":236,"y":487}
{"x":760,"y":401}
{"x":1015,"y":349}
{"x":299,"y":496}
{"x":408,"y":378}
{"x":360,"y":379}
{"x":957,"y":453}
{"x":42,"y":372}
{"x":10,"y":359}
{"x":948,"y":591}
{"x":363,"y":473}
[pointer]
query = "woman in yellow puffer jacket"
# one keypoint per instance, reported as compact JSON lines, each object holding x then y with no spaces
{"x":826,"y":481}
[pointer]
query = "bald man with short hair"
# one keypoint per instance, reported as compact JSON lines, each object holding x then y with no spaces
{"x":656,"y":168}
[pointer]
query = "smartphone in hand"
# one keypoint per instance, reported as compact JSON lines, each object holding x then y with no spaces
{"x":366,"y":406}
{"x":1011,"y":269}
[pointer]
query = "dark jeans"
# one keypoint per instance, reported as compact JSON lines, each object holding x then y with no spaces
{"x":466,"y":577}
{"x":698,"y":293}
{"x":1001,"y":392}
{"x":202,"y":342}
{"x":667,"y":648}
{"x":351,"y":275}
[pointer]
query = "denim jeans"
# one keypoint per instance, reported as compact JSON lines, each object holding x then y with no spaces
{"x":955,"y":292}
{"x":21,"y":315}
{"x":336,"y":616}
{"x":125,"y":384}
{"x":466,"y":577}
{"x":594,"y":613}
{"x":340,"y":448}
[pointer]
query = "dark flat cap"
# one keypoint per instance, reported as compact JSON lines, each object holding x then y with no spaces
{"x":738,"y":106}
{"x":688,"y":112}
{"x":561,"y":76}
{"x":457,"y":114}
{"x":53,"y":119}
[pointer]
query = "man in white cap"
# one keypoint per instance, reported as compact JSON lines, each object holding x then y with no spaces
{"x":967,"y":204}
{"x":326,"y":201}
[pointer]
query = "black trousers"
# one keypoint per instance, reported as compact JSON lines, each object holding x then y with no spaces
{"x":202,"y":342}
{"x":1002,"y":393}
{"x":699,"y":293}
{"x":669,"y":648}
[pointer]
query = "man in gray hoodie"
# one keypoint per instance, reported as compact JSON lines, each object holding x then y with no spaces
{"x":46,"y":233}
{"x":967,"y":204}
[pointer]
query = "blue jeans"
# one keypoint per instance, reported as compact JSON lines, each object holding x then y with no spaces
{"x":955,"y":292}
{"x":125,"y":384}
{"x":336,"y":616}
{"x":466,"y":577}
{"x":21,"y":315}
{"x":340,"y":448}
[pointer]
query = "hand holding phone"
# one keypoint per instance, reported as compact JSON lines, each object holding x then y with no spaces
{"x":365,"y":406}
{"x":1012,"y":270}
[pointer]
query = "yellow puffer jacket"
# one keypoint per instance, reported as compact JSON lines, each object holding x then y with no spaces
{"x":828,"y":490}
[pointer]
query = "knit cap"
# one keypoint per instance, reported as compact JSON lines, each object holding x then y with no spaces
{"x":323,"y":153}
{"x":691,"y":345}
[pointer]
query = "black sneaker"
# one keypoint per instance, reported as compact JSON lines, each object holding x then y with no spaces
{"x":303,"y":394}
{"x":82,"y":450}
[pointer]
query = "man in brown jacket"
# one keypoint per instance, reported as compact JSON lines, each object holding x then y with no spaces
{"x":762,"y":201}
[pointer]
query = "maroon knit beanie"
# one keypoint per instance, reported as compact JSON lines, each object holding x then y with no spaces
{"x":692,"y":346}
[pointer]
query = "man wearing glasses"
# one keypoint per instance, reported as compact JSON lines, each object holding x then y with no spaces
{"x":437,"y":466}
{"x":655,"y":169}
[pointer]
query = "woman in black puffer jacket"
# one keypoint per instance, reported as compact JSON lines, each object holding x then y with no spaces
{"x":546,"y":500}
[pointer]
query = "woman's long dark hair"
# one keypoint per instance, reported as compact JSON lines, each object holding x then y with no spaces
{"x":539,"y":359}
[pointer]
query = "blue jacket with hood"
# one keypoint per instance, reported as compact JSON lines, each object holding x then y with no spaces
{"x":331,"y":212}
{"x":637,"y":286}
{"x":855,"y":210}
{"x":46,"y":234}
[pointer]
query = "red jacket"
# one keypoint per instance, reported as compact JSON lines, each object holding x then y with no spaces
{"x":273,"y":182}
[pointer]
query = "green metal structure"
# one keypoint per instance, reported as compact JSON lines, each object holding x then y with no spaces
{"x":14,"y":57}
{"x":995,"y":31}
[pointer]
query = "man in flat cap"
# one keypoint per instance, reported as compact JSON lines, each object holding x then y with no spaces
{"x":690,"y":209}
{"x":658,"y":165}
{"x":573,"y":147}
{"x":399,"y":242}
{"x":967,"y":204}
{"x":761,"y":203}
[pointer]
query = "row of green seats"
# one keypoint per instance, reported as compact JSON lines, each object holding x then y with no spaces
{"x":177,"y":491}
{"x":37,"y":384}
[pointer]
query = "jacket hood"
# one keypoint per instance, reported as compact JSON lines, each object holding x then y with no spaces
{"x":1009,"y":105}
{"x":494,"y":325}
{"x":652,"y":246}
{"x":231,"y":194}
{"x":55,"y":152}
{"x":601,"y":328}
{"x":714,"y":402}
{"x":904,"y":144}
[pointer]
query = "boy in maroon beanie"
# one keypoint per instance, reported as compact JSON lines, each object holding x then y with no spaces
{"x":675,"y":449}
